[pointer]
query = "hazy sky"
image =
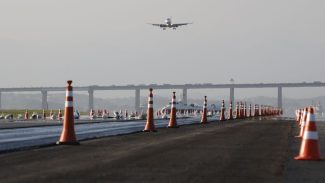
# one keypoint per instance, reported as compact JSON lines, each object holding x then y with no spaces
{"x":46,"y":42}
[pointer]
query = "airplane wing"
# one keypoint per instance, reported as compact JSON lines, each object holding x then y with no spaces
{"x":180,"y":24}
{"x":159,"y":25}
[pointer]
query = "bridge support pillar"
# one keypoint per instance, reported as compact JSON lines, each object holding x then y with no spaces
{"x":280,"y":97}
{"x":184,"y":96}
{"x":137,"y":100}
{"x":44,"y":100}
{"x":232,"y":95}
{"x":90,"y":99}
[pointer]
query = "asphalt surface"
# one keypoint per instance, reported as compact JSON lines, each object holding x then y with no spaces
{"x":17,"y":138}
{"x":305,"y":171}
{"x":7,"y":124}
{"x":237,"y":151}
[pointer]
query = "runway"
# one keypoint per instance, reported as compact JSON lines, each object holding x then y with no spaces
{"x":43,"y":135}
{"x":248,"y":150}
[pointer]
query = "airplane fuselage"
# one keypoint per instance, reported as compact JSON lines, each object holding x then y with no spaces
{"x":168,"y":22}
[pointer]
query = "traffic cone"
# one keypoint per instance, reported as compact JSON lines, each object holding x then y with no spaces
{"x":150,"y":126}
{"x":51,"y":115}
{"x":126,"y":114}
{"x":257,"y":113}
{"x":261,"y":110}
{"x":222,"y":115}
{"x":303,"y":122}
{"x":172,"y":122}
{"x":255,"y":110}
{"x":26,"y":116}
{"x":60,"y":114}
{"x":309,"y":149}
{"x":230,"y":117}
{"x":237,"y":111}
{"x":302,"y":117}
{"x":241,"y":110}
{"x":68,"y":136}
{"x":245,"y":110}
{"x":204,"y":119}
{"x":250,"y":111}
{"x":44,"y":114}
{"x":92,"y":114}
{"x":298,"y":115}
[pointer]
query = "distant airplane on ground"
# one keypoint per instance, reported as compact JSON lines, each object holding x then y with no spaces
{"x":168,"y":24}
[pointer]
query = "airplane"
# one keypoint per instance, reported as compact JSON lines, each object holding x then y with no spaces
{"x":168,"y":24}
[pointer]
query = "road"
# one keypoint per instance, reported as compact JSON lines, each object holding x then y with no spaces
{"x":237,"y":151}
{"x":18,"y":138}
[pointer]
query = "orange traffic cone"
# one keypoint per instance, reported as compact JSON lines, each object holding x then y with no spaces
{"x":68,"y":136}
{"x":301,"y":117}
{"x":298,"y":115}
{"x":92,"y":114}
{"x":241,"y":110}
{"x":44,"y":114}
{"x":26,"y":116}
{"x":255,"y":110}
{"x":150,"y":126}
{"x":303,"y":122}
{"x":245,"y":110}
{"x":60,"y":114}
{"x":126,"y":114}
{"x":230,"y":117}
{"x":204,"y":119}
{"x":309,"y":149}
{"x":237,"y":111}
{"x":172,"y":122}
{"x":222,"y":115}
{"x":250,"y":110}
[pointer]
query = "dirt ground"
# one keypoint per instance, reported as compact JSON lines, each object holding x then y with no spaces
{"x":237,"y":151}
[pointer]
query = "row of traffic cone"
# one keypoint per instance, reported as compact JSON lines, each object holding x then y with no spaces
{"x":309,"y":149}
{"x":242,"y":113}
{"x":68,"y":134}
{"x":44,"y":116}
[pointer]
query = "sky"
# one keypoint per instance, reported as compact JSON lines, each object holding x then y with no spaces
{"x":100,"y":42}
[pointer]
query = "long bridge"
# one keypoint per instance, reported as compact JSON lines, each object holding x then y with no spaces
{"x":185,"y":87}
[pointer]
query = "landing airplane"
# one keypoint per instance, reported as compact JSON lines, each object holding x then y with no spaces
{"x":168,"y":24}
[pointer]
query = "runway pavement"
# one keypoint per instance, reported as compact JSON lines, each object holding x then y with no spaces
{"x":236,"y":151}
{"x":46,"y":134}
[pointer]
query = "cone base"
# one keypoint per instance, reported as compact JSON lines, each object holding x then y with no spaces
{"x":298,"y":136}
{"x":204,"y":122}
{"x":149,"y":130}
{"x":308,"y":158}
{"x":67,"y":143}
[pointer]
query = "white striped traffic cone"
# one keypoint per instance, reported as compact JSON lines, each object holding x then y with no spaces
{"x":309,"y":149}
{"x":150,"y":125}
{"x":173,"y":122}
{"x":204,"y":119}
{"x":68,"y":135}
